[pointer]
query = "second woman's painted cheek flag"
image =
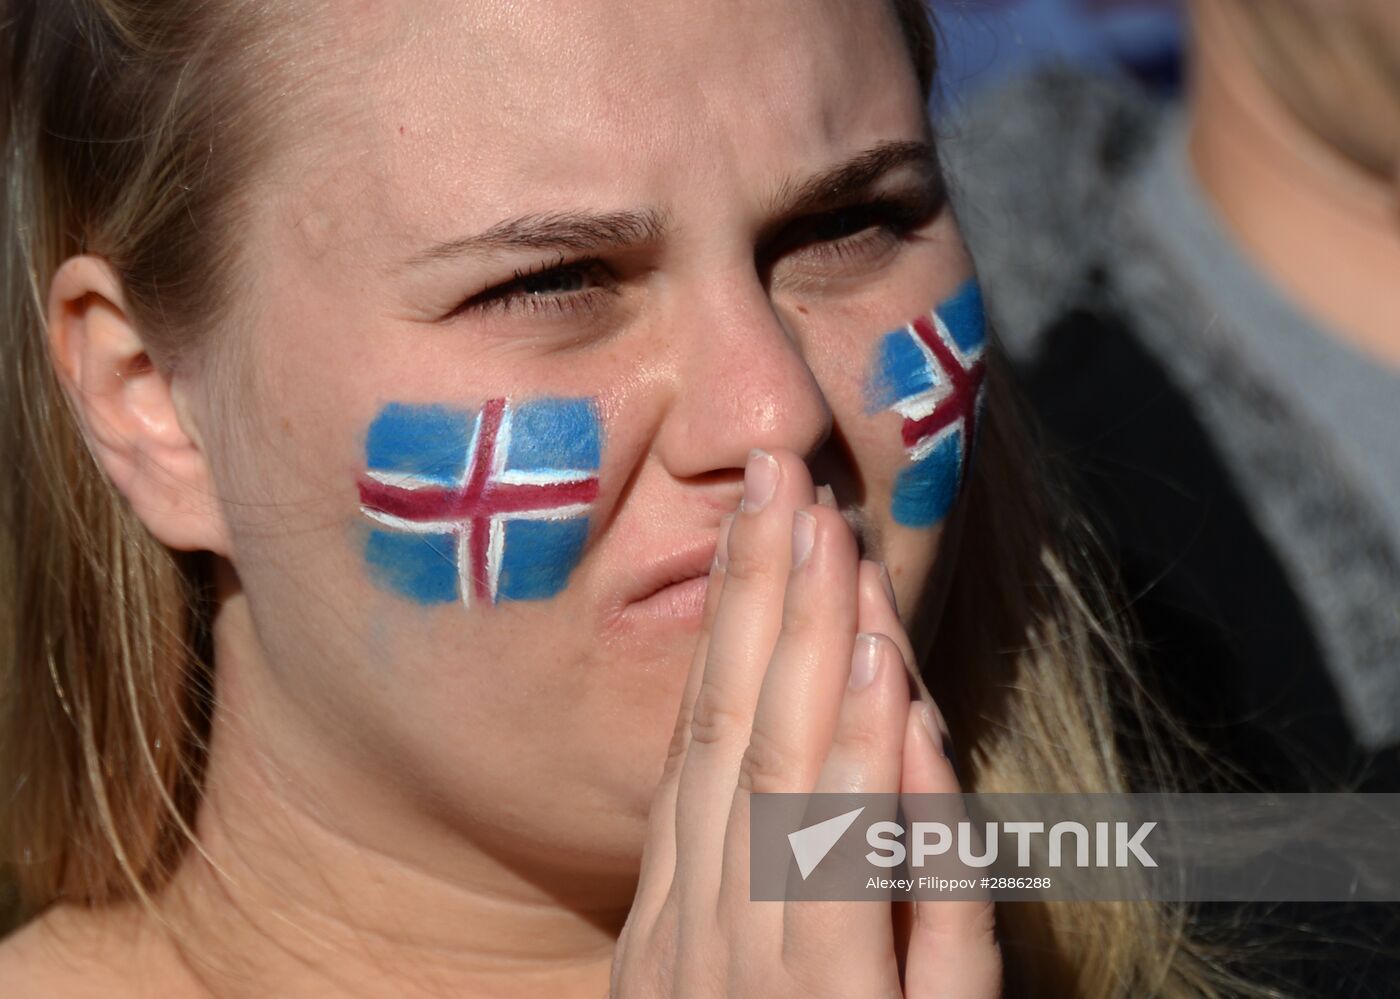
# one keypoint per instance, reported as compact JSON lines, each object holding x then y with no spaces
{"x":932,"y":373}
{"x":480,"y":506}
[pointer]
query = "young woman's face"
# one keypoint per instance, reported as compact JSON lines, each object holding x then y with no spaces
{"x":527,"y":292}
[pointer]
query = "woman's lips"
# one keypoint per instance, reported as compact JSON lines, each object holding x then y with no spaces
{"x":680,"y":601}
{"x":671,"y":588}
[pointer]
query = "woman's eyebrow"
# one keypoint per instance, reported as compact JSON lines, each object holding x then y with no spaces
{"x":846,"y":181}
{"x":577,"y":232}
{"x":586,"y":232}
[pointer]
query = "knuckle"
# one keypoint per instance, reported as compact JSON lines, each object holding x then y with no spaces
{"x":748,"y":565}
{"x":766,"y":765}
{"x":800,"y":619}
{"x":809,"y":970}
{"x":677,"y":956}
{"x":965,"y":924}
{"x":862,"y":741}
{"x":983,"y":925}
{"x":715,"y":720}
{"x":641,"y":969}
{"x":741,"y":982}
{"x":676,"y":751}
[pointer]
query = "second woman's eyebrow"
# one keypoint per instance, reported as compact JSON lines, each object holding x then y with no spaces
{"x":588,"y":232}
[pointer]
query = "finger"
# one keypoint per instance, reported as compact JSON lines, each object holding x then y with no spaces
{"x":806,"y":681}
{"x":746,"y":624}
{"x":953,"y":949}
{"x":800,"y":699}
{"x":865,"y":757}
{"x":680,"y":738}
{"x":659,"y":851}
{"x":867,"y":748}
{"x":877,"y":593}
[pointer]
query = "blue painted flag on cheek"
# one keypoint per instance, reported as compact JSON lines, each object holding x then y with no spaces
{"x":932,"y":373}
{"x":480,"y":506}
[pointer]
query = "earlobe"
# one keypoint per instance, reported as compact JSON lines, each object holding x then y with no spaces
{"x":126,"y":406}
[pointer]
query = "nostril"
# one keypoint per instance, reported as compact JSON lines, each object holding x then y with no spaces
{"x":836,"y":463}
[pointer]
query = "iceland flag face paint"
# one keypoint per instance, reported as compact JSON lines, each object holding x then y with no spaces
{"x":480,"y":505}
{"x":931,"y":373}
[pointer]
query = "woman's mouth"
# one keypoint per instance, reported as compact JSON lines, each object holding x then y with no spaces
{"x":670,"y":589}
{"x":679,"y":601}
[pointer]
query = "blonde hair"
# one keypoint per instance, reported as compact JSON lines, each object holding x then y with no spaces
{"x":1335,"y":67}
{"x":129,"y":130}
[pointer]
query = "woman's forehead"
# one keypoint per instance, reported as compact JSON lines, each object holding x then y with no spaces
{"x":523,"y":46}
{"x":497,"y":108}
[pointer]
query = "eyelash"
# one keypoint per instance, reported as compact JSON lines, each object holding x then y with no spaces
{"x":510,"y":296}
{"x":877,"y":225}
{"x":882,"y":222}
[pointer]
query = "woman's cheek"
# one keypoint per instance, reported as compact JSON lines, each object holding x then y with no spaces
{"x":479,"y":504}
{"x":925,"y":383}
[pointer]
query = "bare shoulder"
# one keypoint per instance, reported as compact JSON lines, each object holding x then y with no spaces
{"x":71,"y":954}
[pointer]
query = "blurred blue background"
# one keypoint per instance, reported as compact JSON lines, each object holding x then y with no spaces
{"x":986,"y":41}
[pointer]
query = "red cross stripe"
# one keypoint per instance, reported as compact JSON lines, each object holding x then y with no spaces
{"x":964,"y":381}
{"x":469,"y":507}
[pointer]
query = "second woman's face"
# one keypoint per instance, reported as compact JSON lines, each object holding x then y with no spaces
{"x":531,"y":281}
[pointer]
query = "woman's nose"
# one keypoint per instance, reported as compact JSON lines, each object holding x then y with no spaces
{"x":741,"y":382}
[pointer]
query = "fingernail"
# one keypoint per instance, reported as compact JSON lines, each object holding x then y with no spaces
{"x":889,"y":587}
{"x":935,"y":734}
{"x":804,"y":532}
{"x":865,"y":662}
{"x":722,"y":548}
{"x":826,"y":497}
{"x":760,"y":481}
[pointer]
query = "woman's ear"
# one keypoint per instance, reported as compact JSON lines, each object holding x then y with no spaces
{"x":127,"y":406}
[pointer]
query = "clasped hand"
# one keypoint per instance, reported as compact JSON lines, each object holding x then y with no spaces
{"x":800,"y":683}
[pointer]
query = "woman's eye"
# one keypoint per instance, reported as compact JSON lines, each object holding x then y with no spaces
{"x":557,"y":281}
{"x":559,"y":289}
{"x":848,"y":241}
{"x":840,"y":225}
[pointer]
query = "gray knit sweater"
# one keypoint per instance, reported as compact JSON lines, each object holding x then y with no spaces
{"x":1061,"y":173}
